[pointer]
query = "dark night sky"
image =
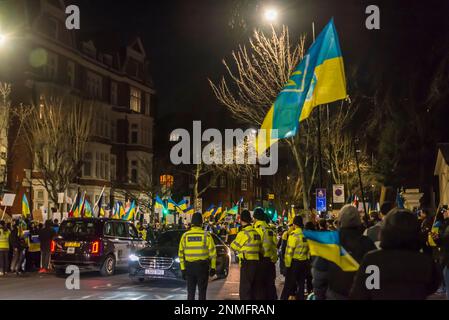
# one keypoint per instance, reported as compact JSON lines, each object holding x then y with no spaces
{"x":187,"y":39}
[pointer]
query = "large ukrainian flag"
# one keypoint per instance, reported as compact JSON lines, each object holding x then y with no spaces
{"x":318,"y":79}
{"x":326,"y":244}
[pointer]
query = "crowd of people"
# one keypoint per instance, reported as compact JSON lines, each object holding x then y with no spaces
{"x":25,"y":246}
{"x":409,"y":249}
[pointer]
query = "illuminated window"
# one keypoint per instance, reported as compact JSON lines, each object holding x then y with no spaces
{"x":135,"y":99}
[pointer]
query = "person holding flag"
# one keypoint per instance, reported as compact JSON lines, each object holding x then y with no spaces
{"x":338,"y":254}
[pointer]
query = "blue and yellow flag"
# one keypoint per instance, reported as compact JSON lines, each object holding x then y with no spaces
{"x":88,"y":213}
{"x":208,"y":212}
{"x":131,"y":212}
{"x":159,"y":203}
{"x":182,"y":204}
{"x":189,"y":210}
{"x":234,"y":210}
{"x":25,"y":207}
{"x":326,"y":244}
{"x":318,"y":79}
{"x":171,"y":204}
{"x":219,"y":213}
{"x":121,"y":210}
{"x":116,"y":210}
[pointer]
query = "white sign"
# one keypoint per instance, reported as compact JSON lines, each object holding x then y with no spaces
{"x":338,"y":193}
{"x":8,"y":199}
{"x":16,"y":216}
{"x":61,"y":197}
{"x":187,"y":199}
{"x":65,"y":215}
{"x":170,"y":218}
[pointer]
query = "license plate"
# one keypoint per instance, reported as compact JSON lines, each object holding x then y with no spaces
{"x":154,"y":272}
{"x":71,"y":250}
{"x":72,"y":244}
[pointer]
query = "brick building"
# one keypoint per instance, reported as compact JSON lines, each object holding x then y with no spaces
{"x":113,"y":74}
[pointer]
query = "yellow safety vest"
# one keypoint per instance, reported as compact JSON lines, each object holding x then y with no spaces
{"x":297,"y":248}
{"x":197,"y":245}
{"x":4,"y":239}
{"x":34,"y":243}
{"x":248,"y":244}
{"x":143,"y":233}
{"x":268,"y":240}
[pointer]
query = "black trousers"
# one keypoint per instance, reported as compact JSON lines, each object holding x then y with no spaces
{"x":33,"y":261}
{"x":45,"y":258}
{"x":4,"y":261}
{"x":295,"y":280}
{"x":197,"y":275}
{"x":268,"y":278}
{"x":251,"y":282}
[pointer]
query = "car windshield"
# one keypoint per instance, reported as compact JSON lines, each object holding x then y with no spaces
{"x":170,"y":238}
{"x":77,"y":228}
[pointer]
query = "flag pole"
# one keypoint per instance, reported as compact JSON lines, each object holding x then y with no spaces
{"x":96,"y":204}
{"x":360,"y":179}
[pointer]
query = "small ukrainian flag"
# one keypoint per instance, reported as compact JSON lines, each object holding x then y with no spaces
{"x":326,"y":244}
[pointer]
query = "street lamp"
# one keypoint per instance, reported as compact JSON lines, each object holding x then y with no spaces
{"x":271,"y":14}
{"x":2,"y":39}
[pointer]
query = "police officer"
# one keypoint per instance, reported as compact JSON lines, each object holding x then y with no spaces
{"x":4,"y":248}
{"x":142,"y":231}
{"x":296,"y":261}
{"x":268,"y":267}
{"x":248,"y":245}
{"x":197,"y":258}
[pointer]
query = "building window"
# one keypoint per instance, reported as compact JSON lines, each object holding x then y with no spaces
{"x":222,"y":181}
{"x":113,"y":130}
{"x":51,"y":67}
{"x":114,"y":93}
{"x":213,"y":182}
{"x":97,"y":164}
{"x":134,"y":133}
{"x":134,"y":165}
{"x":147,"y":104}
{"x":94,"y":85}
{"x":71,"y":73}
{"x":113,"y":167}
{"x":244,"y":184}
{"x":87,"y":168}
{"x":135,"y":99}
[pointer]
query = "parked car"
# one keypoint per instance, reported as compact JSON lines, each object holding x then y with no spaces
{"x":100,"y":244}
{"x":161,"y":261}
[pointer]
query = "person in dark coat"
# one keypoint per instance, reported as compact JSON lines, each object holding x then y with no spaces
{"x":18,"y":246}
{"x":404,"y":273}
{"x":46,"y":235}
{"x":327,"y":274}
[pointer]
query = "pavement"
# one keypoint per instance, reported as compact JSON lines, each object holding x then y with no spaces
{"x":35,"y":286}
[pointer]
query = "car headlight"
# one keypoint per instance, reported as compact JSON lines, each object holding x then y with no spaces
{"x":133,"y":257}
{"x":177,"y":260}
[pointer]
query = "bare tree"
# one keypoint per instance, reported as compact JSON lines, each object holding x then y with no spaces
{"x":56,"y":132}
{"x":258,"y":75}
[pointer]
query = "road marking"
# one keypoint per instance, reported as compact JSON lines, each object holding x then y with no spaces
{"x":158,"y":297}
{"x":139,"y":297}
{"x":86,"y":297}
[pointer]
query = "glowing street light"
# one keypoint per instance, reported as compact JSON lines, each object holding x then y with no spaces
{"x":271,"y":15}
{"x":2,"y":39}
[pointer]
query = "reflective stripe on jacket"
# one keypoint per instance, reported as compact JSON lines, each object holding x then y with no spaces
{"x":297,"y":247}
{"x":248,"y":244}
{"x":197,"y":245}
{"x":268,"y":237}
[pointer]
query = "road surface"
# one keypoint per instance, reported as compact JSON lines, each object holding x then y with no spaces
{"x":118,"y":287}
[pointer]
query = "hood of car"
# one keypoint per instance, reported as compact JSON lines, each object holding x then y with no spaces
{"x":159,"y":251}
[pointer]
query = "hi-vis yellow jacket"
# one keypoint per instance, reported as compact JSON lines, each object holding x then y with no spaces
{"x":297,"y":248}
{"x":4,"y":239}
{"x":269,"y":240}
{"x":248,"y":244}
{"x":197,"y":245}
